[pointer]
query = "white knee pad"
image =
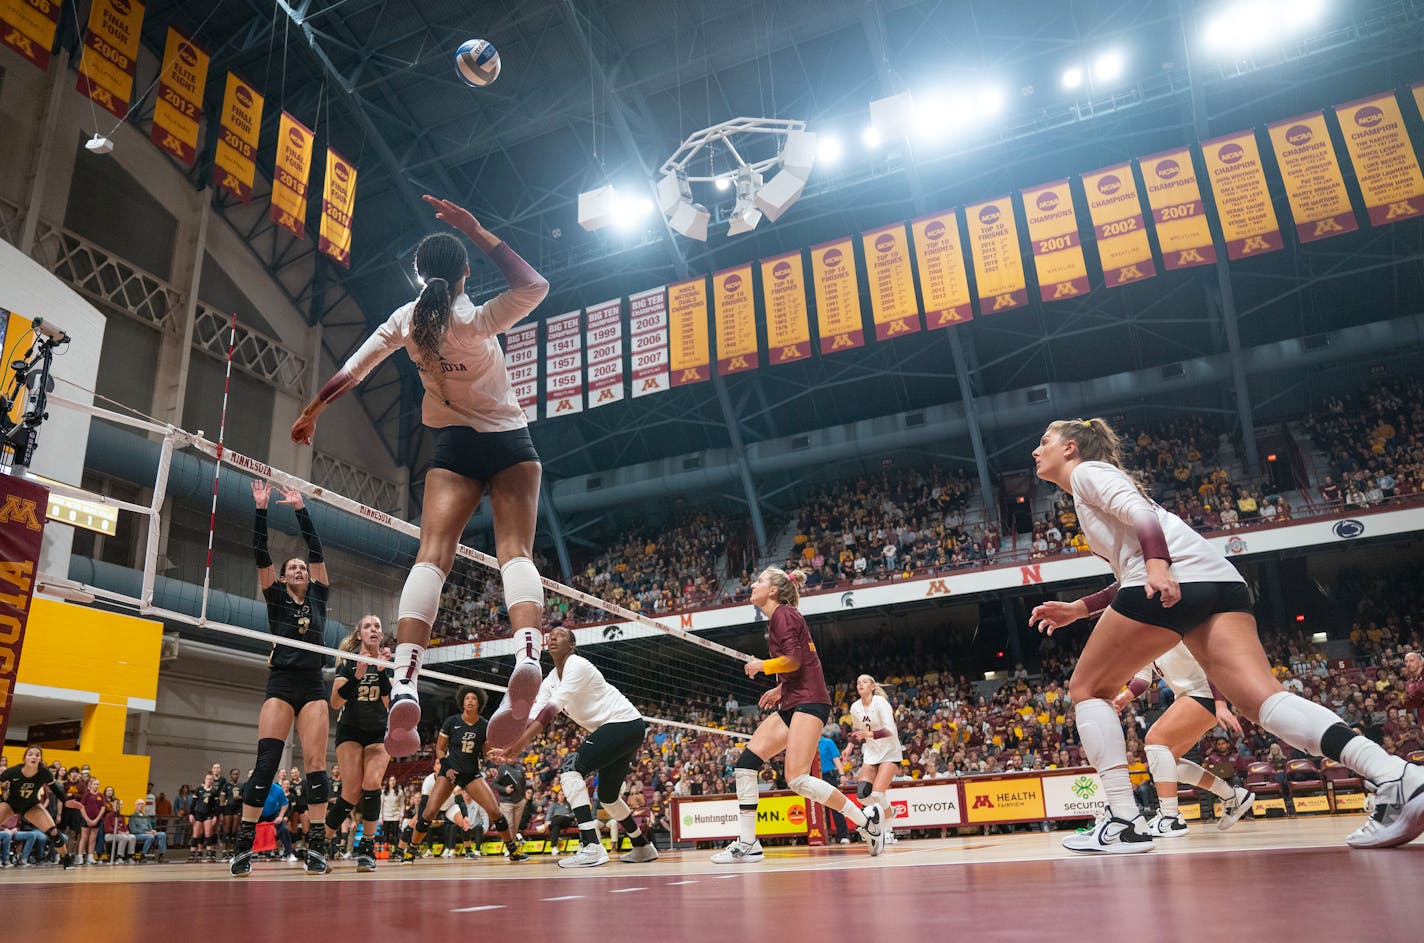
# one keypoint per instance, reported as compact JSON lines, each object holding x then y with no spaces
{"x":521,"y":583}
{"x":812,"y":787}
{"x":420,"y":599}
{"x":617,"y":810}
{"x":1161,"y":763}
{"x":575,"y":789}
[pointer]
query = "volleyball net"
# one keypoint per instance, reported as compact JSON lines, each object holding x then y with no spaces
{"x":198,"y":569}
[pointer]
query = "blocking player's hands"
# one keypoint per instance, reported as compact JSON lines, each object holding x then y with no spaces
{"x":770,"y":699}
{"x":459,"y":218}
{"x":291,"y":497}
{"x":754,"y":667}
{"x":496,"y":755}
{"x":261,"y":493}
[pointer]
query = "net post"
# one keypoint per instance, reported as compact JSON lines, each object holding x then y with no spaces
{"x":160,"y":494}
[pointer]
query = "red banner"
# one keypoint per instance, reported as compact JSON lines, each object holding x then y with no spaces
{"x":22,"y":520}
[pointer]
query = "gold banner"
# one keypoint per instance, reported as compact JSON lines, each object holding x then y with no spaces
{"x":180,"y":98}
{"x":687,"y":331}
{"x":1243,"y":201}
{"x":893,"y":306}
{"x":291,"y":175}
{"x":1418,"y":89}
{"x":28,"y":27}
{"x":734,"y":307}
{"x":943,"y":278}
{"x":1311,"y":173}
{"x":1183,"y":234}
{"x":338,"y":203}
{"x":1118,"y":225}
{"x":235,"y":161}
{"x":838,"y":315}
{"x":998,"y":263}
{"x":13,"y":329}
{"x":1383,"y":158}
{"x":1057,"y":246}
{"x":783,"y":295}
{"x":110,"y":54}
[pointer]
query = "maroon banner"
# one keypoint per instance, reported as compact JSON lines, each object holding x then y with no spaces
{"x":22,"y":520}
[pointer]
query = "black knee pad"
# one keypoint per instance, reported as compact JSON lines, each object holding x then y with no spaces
{"x":318,"y":787}
{"x":500,"y":824}
{"x":336,"y":812}
{"x":422,"y":824}
{"x":609,"y":788}
{"x":269,"y":758}
{"x":749,"y":760}
{"x":863,"y":790}
{"x":371,"y":805}
{"x":56,"y":837}
{"x":571,"y":764}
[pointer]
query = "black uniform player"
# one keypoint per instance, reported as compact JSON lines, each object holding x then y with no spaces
{"x":206,"y":805}
{"x":224,"y":799}
{"x":23,"y":792}
{"x":460,"y":749}
{"x":296,"y":609}
{"x":362,"y":692}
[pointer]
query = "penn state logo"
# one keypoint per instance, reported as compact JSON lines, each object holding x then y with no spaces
{"x":1348,"y":529}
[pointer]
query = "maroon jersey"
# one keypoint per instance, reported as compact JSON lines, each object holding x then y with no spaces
{"x":791,"y":638}
{"x":1414,"y":693}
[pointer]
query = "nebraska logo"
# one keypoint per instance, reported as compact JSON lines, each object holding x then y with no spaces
{"x":1298,"y":134}
{"x":989,"y":215}
{"x":937,"y":588}
{"x":934,"y":231}
{"x":982,"y":802}
{"x":1168,"y":169}
{"x":884,"y":242}
{"x":18,"y":510}
{"x":1031,"y":574}
{"x":1047,"y":201}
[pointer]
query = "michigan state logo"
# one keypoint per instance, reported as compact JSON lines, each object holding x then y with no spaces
{"x":1084,"y":787}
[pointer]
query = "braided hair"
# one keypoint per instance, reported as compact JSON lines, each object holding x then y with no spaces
{"x":440,"y":263}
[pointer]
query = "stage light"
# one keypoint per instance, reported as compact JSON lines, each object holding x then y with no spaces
{"x":830,"y":149}
{"x":990,"y":102}
{"x":1108,"y":67}
{"x":723,"y":183}
{"x":1242,"y":27}
{"x":871,"y":137}
{"x":1072,"y":77}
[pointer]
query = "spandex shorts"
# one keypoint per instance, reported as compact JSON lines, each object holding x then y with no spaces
{"x":297,"y":688}
{"x":821,"y":712}
{"x":1199,"y":602}
{"x":366,"y":738}
{"x":1207,"y":702}
{"x":463,"y":777}
{"x":481,"y":455}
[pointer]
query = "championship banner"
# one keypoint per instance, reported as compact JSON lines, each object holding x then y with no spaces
{"x":563,"y":358}
{"x":22,"y":520}
{"x":603,"y":337}
{"x":687,"y":332}
{"x":110,"y":54}
{"x":1418,"y":89}
{"x":235,"y":161}
{"x":180,"y":98}
{"x":1384,"y":161}
{"x":1243,"y":201}
{"x":783,"y":296}
{"x":893,"y":306}
{"x":521,"y":359}
{"x":338,"y":203}
{"x":838,"y":316}
{"x":998,"y":263}
{"x":291,"y":175}
{"x":944,"y":281}
{"x":1183,"y":234}
{"x":1118,"y":226}
{"x":14,"y":327}
{"x":1311,"y":173}
{"x":734,"y":308}
{"x":28,"y":27}
{"x":648,"y":320}
{"x":1057,"y":247}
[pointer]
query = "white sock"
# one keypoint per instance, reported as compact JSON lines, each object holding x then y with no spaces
{"x":747,"y":803}
{"x":529,"y":643}
{"x":854,"y":814}
{"x":1368,"y":758}
{"x":1100,"y":729}
{"x":407,"y":661}
{"x":1163,"y":767}
{"x":1194,"y":775}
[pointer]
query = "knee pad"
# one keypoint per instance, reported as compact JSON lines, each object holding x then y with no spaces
{"x":1161,"y":764}
{"x":618,"y":810}
{"x":420,"y":598}
{"x":318,"y":787}
{"x":422,"y":824}
{"x":56,"y":837}
{"x":749,"y":760}
{"x":269,"y":758}
{"x":863,"y":790}
{"x":575,"y":788}
{"x":812,"y":787}
{"x":370,"y":804}
{"x":521,"y":582}
{"x":336,"y":812}
{"x":500,"y":824}
{"x":571,"y":765}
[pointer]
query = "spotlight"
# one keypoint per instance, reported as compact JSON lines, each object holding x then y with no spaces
{"x":871,"y":138}
{"x":829,"y":150}
{"x":723,"y":183}
{"x":1108,"y":67}
{"x":1072,"y":77}
{"x":990,"y":102}
{"x":745,"y":215}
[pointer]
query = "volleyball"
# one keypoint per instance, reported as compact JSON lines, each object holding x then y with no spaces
{"x":477,"y":61}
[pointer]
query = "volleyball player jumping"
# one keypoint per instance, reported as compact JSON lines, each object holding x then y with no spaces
{"x":1172,"y":586}
{"x":802,"y":704}
{"x":482,"y":445}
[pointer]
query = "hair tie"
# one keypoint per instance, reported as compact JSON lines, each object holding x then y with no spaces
{"x":1086,"y":423}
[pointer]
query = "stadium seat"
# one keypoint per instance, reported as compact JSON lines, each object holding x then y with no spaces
{"x":1416,"y":757}
{"x":1261,"y":779}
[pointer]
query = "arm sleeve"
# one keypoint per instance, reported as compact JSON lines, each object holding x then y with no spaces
{"x":308,"y":527}
{"x":1099,"y":601}
{"x":1141,"y":681}
{"x":259,"y":539}
{"x":526,"y":289}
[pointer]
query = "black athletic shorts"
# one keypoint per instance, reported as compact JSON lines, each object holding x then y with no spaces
{"x":21,"y":806}
{"x":821,"y":712}
{"x":1207,"y":702}
{"x":481,"y":455}
{"x":200,"y":817}
{"x":297,"y":688}
{"x":71,"y":820}
{"x":346,"y":734}
{"x":463,"y":777}
{"x":608,"y":751}
{"x":1199,"y":602}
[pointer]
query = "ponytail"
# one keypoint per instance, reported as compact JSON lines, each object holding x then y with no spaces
{"x":440,"y":263}
{"x":786,"y":587}
{"x":1096,"y":440}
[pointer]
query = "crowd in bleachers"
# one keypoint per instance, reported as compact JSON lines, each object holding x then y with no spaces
{"x":1373,"y":440}
{"x":663,"y":570}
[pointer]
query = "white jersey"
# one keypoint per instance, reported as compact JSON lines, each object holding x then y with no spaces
{"x":878,"y":716}
{"x":1107,"y":501}
{"x":584,"y":695}
{"x":476,"y":383}
{"x":427,"y":786}
{"x":1181,"y":671}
